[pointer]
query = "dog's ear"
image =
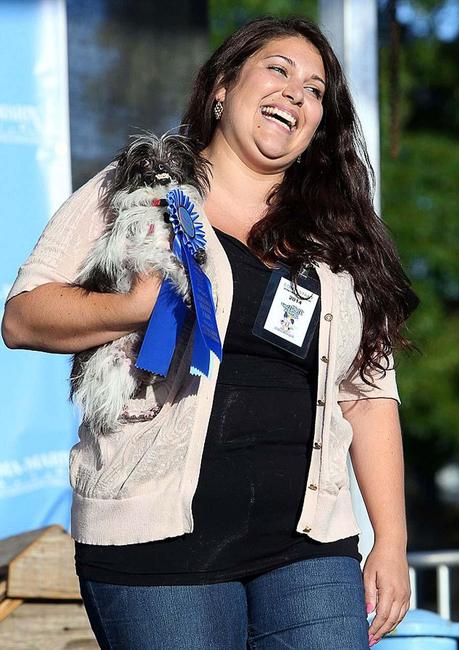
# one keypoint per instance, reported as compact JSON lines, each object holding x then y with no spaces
{"x":138,"y":169}
{"x":99,"y":281}
{"x":121,"y":169}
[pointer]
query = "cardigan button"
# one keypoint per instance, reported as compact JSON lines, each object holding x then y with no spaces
{"x":328,"y":317}
{"x":320,"y":402}
{"x":324,"y":359}
{"x":306,"y":529}
{"x":311,"y":486}
{"x":317,"y":445}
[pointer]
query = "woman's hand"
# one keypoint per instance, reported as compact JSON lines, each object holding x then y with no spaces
{"x":142,"y":296}
{"x":387,"y":586}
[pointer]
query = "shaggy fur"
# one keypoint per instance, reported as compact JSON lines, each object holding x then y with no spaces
{"x":138,"y":240}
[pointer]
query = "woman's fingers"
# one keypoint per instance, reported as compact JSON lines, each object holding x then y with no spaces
{"x":389,"y":614}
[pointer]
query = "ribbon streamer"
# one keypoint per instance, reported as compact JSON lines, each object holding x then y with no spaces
{"x":169,"y":313}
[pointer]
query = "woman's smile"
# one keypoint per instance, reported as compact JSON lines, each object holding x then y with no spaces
{"x":284,"y":118}
{"x":281,"y":125}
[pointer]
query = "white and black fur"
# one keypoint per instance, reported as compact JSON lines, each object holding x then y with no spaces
{"x":138,"y":240}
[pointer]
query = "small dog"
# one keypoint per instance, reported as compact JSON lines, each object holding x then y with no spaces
{"x":138,"y":240}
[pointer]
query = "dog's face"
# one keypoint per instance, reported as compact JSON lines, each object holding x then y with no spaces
{"x":142,"y":166}
{"x":150,"y":160}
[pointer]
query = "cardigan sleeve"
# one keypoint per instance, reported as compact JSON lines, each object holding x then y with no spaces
{"x":353,"y":388}
{"x":67,"y":238}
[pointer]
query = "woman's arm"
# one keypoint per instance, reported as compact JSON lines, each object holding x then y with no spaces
{"x":57,"y":317}
{"x":377,"y":458}
{"x":45,"y":311}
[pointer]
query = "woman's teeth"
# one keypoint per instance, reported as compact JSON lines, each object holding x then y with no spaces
{"x":273,"y":119}
{"x":281,"y":117}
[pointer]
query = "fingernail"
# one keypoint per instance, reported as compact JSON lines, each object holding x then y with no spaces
{"x":369,"y":607}
{"x":370,"y":637}
{"x":373,"y":642}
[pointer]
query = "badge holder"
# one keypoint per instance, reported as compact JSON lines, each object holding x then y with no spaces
{"x":284,"y":319}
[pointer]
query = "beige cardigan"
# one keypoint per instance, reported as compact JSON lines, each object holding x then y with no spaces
{"x":138,"y":485}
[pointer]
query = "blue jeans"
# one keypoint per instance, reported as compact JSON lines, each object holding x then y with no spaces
{"x":312,"y":604}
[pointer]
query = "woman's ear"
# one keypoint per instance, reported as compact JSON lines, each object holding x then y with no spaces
{"x":220,"y":95}
{"x":220,"y":92}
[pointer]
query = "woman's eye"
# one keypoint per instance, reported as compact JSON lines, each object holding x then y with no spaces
{"x":277,"y":67}
{"x":316,"y":92}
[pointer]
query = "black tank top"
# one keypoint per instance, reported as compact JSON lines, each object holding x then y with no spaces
{"x":254,"y":466}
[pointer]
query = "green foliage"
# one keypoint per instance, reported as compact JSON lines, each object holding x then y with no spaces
{"x":418,"y":198}
{"x":427,"y":6}
{"x":429,"y":88}
{"x":419,"y":204}
{"x":226,"y":16}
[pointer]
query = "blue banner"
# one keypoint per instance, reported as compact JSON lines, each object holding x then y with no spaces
{"x":37,"y":423}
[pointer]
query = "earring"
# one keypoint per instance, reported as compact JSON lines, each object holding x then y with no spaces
{"x":298,"y":160}
{"x":218,"y":109}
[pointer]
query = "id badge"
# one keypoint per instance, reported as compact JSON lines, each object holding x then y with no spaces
{"x":284,"y":319}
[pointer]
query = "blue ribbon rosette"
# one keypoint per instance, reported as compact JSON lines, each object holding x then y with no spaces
{"x":170,"y":310}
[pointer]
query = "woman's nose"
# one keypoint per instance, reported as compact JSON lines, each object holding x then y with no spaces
{"x":294,"y":91}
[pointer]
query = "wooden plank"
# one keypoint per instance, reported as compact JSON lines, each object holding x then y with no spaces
{"x":47,"y":626}
{"x":2,"y":589}
{"x":8,"y":605}
{"x":45,"y":568}
{"x":10,"y":547}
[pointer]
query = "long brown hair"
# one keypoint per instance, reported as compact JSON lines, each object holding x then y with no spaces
{"x":322,"y":210}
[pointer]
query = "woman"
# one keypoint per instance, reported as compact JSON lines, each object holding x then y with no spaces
{"x":268,"y":553}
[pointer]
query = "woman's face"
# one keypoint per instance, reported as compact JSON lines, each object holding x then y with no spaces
{"x":273,"y":111}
